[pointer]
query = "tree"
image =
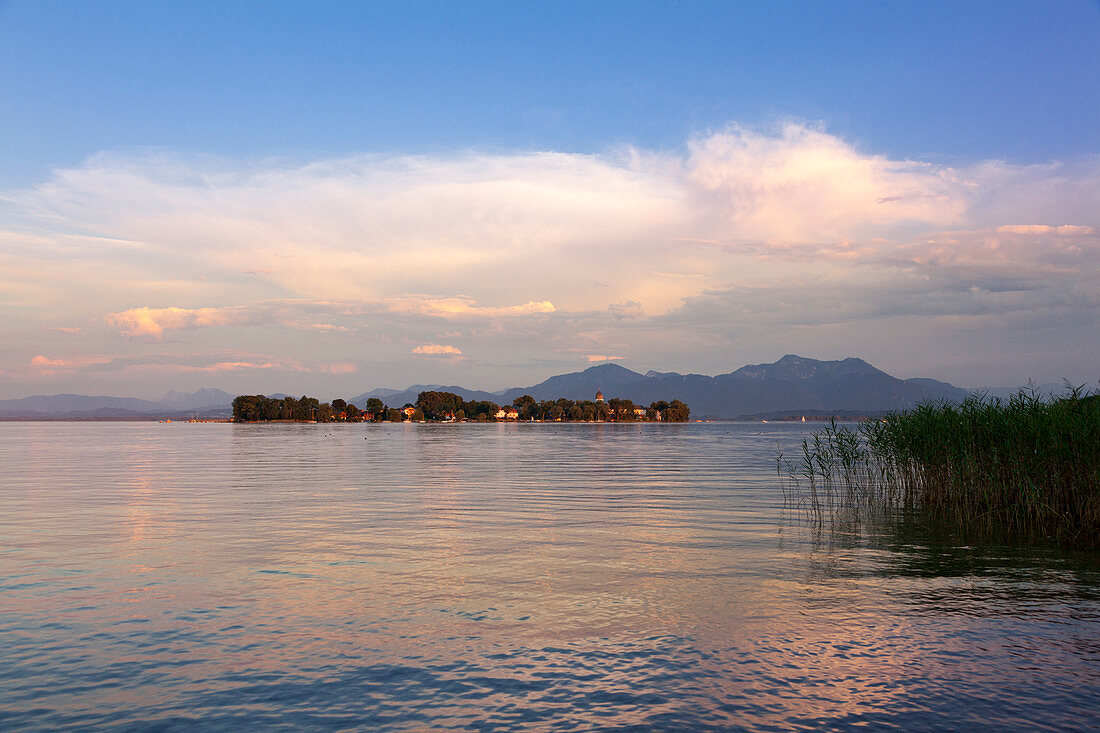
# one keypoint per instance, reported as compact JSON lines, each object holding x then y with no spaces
{"x":526,"y":406}
{"x":438,"y":405}
{"x":623,"y":409}
{"x":476,"y":408}
{"x":289,"y":407}
{"x":307,"y":408}
{"x":677,"y":412}
{"x":375,"y":407}
{"x":249,"y":408}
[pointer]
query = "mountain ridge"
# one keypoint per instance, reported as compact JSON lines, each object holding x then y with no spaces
{"x":792,"y":383}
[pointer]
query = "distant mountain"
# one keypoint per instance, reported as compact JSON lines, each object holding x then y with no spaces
{"x":610,"y":378}
{"x":47,"y":404}
{"x":793,"y":384}
{"x":398,"y":398}
{"x":204,"y":403}
{"x":193,"y":400}
{"x":848,"y":384}
{"x":1045,"y":390}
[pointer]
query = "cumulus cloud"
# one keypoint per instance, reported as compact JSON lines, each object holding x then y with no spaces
{"x":804,"y":184}
{"x":632,"y":252}
{"x":514,"y":233}
{"x":45,"y":361}
{"x":437,"y":350}
{"x":153,"y":322}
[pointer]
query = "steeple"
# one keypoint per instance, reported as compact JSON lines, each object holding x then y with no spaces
{"x":599,"y":396}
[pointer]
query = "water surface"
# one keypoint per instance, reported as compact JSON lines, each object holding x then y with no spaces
{"x":537,"y":577}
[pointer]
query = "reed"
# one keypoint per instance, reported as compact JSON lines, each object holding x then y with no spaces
{"x":1022,"y":468}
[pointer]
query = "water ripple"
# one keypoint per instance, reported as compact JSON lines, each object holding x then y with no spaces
{"x":500,"y":577}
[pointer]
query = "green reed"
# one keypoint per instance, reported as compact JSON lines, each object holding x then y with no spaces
{"x":1025,"y":467}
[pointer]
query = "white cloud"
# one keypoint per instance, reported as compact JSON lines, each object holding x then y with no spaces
{"x":805,"y":184}
{"x":637,"y":253}
{"x":495,"y":230}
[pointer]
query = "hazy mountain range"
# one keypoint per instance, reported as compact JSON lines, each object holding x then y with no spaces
{"x":204,"y":403}
{"x":792,"y":384}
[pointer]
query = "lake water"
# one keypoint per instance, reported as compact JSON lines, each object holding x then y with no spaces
{"x":535,"y":577}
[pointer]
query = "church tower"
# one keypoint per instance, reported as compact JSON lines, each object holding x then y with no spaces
{"x":599,"y":396}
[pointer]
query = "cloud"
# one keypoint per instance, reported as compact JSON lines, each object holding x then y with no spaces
{"x":676,"y":255}
{"x":322,"y":327}
{"x":437,"y":350}
{"x":284,"y":365}
{"x":42,"y":365}
{"x":44,"y":361}
{"x":804,"y":184}
{"x":465,"y":306}
{"x":602,"y":357}
{"x":509,"y":234}
{"x":627,"y":309}
{"x":147,"y":322}
{"x":230,"y":366}
{"x":212,"y":363}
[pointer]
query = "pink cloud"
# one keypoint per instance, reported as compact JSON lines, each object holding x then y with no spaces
{"x":464,"y":306}
{"x":437,"y":350}
{"x":342,"y":367}
{"x":147,"y":322}
{"x":43,"y":361}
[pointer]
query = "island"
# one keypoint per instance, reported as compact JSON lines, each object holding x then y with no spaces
{"x":432,"y":406}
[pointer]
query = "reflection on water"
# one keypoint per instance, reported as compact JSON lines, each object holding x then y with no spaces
{"x":501,"y":576}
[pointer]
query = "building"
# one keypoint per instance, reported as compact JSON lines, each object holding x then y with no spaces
{"x":599,"y":396}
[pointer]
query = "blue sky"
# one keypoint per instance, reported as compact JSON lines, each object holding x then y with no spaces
{"x":1013,"y":81}
{"x":171,"y":130}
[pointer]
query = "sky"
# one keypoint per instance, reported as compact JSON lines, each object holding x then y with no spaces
{"x":324,"y":198}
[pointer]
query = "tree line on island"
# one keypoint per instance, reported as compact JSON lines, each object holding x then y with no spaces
{"x":434,"y":406}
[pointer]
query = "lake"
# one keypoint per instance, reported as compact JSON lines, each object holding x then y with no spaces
{"x":493,"y":577}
